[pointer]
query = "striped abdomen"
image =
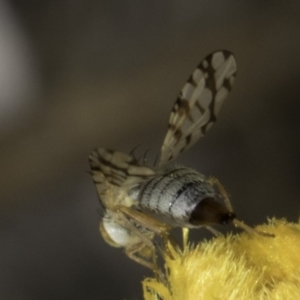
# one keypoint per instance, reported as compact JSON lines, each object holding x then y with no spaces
{"x":182,"y":197}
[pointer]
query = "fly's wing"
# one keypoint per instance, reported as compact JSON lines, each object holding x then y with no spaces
{"x":198,"y":103}
{"x":114,"y":173}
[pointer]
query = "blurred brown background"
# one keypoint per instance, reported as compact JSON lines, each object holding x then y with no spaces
{"x":75,"y":75}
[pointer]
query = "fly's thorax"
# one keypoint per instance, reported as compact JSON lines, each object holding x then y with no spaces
{"x":182,"y":197}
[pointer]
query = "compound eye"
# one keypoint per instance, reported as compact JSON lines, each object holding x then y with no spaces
{"x":209,"y":212}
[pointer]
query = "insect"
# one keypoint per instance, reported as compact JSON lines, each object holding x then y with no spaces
{"x":141,"y":201}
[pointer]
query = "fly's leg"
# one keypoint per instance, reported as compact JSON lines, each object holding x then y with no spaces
{"x":217,"y":183}
{"x":135,"y":251}
{"x":154,"y":226}
{"x":132,"y":252}
{"x":213,"y":231}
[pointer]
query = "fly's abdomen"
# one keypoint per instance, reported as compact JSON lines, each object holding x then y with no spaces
{"x":175,"y":197}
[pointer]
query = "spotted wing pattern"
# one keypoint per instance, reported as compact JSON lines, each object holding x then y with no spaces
{"x":198,"y":103}
{"x":114,"y":173}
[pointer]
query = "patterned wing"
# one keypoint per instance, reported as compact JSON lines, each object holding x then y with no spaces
{"x":198,"y":103}
{"x":114,"y":173}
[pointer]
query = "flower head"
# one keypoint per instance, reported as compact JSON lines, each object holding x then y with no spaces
{"x":243,"y":266}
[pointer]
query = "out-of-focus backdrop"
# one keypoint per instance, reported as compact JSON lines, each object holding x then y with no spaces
{"x":75,"y":75}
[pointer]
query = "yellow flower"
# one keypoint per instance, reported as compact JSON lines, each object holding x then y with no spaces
{"x":244,"y":266}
